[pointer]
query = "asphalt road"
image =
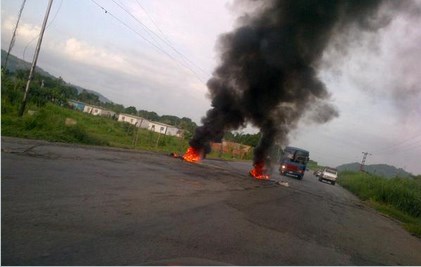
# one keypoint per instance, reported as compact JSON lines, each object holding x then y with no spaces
{"x":79,"y":205}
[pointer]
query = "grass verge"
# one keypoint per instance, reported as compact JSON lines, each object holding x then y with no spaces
{"x":399,"y":198}
{"x":58,"y":124}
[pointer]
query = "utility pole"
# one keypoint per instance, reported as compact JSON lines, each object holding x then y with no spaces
{"x":12,"y":41}
{"x":34,"y":61}
{"x":363,"y":160}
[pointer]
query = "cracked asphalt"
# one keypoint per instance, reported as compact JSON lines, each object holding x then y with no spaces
{"x":64,"y":204}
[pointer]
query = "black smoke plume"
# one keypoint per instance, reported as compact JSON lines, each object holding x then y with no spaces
{"x":268,"y":70}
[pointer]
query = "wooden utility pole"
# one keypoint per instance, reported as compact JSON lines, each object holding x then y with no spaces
{"x":34,"y":61}
{"x":12,"y":41}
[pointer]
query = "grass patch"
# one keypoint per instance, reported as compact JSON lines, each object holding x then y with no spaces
{"x":399,"y":198}
{"x":49,"y":123}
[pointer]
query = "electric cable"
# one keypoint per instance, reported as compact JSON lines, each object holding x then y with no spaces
{"x":401,"y":144}
{"x":147,"y":40}
{"x":48,"y":25}
{"x":167,"y":41}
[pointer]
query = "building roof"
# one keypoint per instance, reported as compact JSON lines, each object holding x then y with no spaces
{"x":163,"y":124}
{"x":131,"y":115}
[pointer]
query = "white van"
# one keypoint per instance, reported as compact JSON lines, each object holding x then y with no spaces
{"x":329,"y":174}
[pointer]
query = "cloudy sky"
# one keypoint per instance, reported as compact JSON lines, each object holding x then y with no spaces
{"x":157,"y":55}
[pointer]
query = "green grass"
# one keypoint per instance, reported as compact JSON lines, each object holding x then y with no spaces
{"x":399,"y":198}
{"x":48,"y":123}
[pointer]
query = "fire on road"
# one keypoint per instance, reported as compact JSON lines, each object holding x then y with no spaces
{"x":78,"y":205}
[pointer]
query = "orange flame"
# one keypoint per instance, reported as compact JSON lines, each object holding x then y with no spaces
{"x":258,"y":171}
{"x":193,"y":155}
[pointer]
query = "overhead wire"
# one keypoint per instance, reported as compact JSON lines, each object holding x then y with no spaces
{"x":153,"y":22}
{"x":401,"y":145}
{"x":147,"y":40}
{"x":163,"y":39}
{"x":48,"y":25}
{"x":153,"y":35}
{"x":167,"y":41}
{"x":146,"y":29}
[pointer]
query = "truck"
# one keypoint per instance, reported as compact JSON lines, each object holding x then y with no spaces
{"x":293,"y":161}
{"x":328,"y":174}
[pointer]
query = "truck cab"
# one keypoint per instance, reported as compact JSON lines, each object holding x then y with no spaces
{"x":294,"y":162}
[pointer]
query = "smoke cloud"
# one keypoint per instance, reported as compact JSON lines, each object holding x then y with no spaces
{"x":269,"y":66}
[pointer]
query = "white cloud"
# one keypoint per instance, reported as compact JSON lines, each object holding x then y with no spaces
{"x":25,"y":33}
{"x":84,"y":53}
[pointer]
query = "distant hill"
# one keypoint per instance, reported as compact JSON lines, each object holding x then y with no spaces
{"x":384,"y":170}
{"x":15,"y":63}
{"x":102,"y":98}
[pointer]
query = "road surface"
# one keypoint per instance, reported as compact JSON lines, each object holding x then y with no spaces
{"x":80,"y":205}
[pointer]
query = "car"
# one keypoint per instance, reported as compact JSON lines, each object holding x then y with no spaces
{"x":328,"y":174}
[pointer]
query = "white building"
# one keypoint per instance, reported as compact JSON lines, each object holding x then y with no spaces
{"x":163,"y":128}
{"x":133,"y":119}
{"x":98,"y":111}
{"x":174,"y":131}
{"x":157,"y":127}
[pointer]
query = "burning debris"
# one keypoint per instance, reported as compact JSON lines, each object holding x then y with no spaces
{"x":259,"y":171}
{"x":193,"y":155}
{"x":268,"y":74}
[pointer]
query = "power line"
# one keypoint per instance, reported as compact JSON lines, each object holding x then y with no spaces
{"x":49,"y":24}
{"x":153,"y":22}
{"x":164,"y":40}
{"x":145,"y":28}
{"x":402,"y":143}
{"x":167,"y":41}
{"x":147,"y":40}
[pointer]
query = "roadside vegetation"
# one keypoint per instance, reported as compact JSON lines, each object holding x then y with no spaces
{"x":48,"y":117}
{"x":399,"y":198}
{"x":59,"y":124}
{"x":313,"y":165}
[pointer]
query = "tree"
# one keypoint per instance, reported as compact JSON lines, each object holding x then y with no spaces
{"x":245,"y":139}
{"x":89,"y":98}
{"x":117,"y":108}
{"x":149,"y":115}
{"x":130,"y":110}
{"x":11,"y":90}
{"x":188,"y":126}
{"x":69,"y":92}
{"x":169,"y":119}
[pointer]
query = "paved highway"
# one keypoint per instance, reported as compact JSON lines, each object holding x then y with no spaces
{"x":80,"y":205}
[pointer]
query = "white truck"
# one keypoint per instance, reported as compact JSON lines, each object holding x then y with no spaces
{"x":329,"y":174}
